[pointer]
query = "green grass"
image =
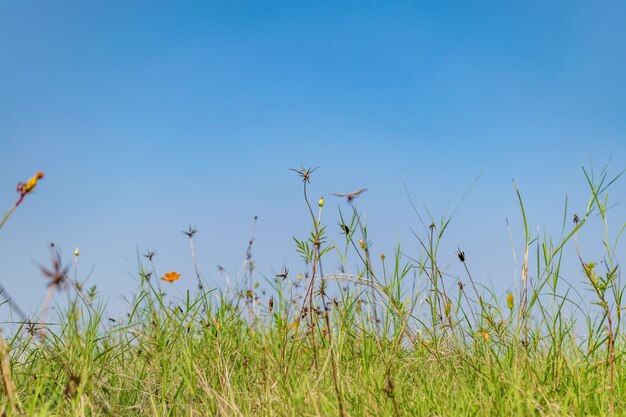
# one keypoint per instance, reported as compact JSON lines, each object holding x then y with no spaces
{"x":397,"y":338}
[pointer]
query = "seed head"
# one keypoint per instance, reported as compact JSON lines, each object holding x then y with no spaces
{"x":304,"y":173}
{"x":190,"y":232}
{"x":351,"y":196}
{"x":57,"y":273}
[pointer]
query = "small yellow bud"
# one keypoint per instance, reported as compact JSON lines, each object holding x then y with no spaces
{"x":76,"y":252}
{"x":321,"y":202}
{"x":30,"y":184}
{"x":510,"y":300}
{"x":382,"y":256}
{"x":299,"y":276}
{"x":361,"y":244}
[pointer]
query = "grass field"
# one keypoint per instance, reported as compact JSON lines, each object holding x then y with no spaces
{"x":398,"y":338}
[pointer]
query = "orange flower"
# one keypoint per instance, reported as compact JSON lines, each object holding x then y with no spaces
{"x":171,"y":276}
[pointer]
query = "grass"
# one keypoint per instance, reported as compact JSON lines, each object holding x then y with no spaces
{"x":403,"y":339}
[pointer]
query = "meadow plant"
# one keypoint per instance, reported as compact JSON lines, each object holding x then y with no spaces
{"x":394,"y":335}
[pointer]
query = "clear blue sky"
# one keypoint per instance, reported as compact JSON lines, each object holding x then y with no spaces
{"x":150,"y":116}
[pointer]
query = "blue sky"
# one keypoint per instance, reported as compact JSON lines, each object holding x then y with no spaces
{"x":150,"y":116}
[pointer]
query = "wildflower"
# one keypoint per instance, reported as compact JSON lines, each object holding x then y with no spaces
{"x":76,"y":252}
{"x":170,"y":276}
{"x":31,"y":183}
{"x":361,"y":244}
{"x":25,"y":188}
{"x":321,"y":202}
{"x":382,"y":256}
{"x":510,"y":300}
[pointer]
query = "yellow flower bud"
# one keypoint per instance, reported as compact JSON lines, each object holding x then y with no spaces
{"x":321,"y":202}
{"x":382,"y":256}
{"x":510,"y":300}
{"x":30,"y":184}
{"x":361,"y":244}
{"x":76,"y":252}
